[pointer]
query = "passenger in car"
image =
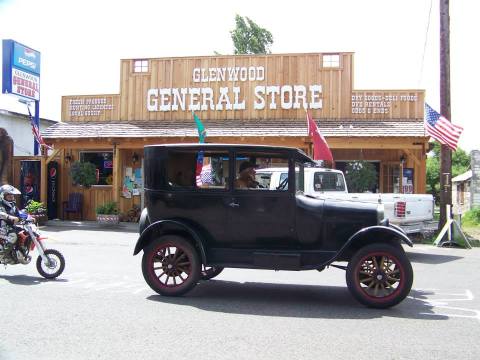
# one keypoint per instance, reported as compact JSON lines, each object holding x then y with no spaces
{"x":246,"y":176}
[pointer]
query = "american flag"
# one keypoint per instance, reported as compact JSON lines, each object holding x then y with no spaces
{"x":36,"y":131}
{"x":439,"y":128}
{"x":206,"y":175}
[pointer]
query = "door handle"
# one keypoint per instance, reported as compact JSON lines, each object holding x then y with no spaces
{"x":233,"y":205}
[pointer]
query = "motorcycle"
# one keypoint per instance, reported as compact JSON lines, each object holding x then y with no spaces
{"x":50,"y":262}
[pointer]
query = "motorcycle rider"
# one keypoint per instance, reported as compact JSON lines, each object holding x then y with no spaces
{"x":9,"y":215}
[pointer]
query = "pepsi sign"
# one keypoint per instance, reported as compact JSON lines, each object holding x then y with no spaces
{"x":26,"y":59}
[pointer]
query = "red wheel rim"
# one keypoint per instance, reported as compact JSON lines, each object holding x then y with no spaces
{"x":169,"y":265}
{"x":379,"y":276}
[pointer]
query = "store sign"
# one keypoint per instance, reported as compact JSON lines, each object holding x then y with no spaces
{"x":230,"y":97}
{"x":25,"y":84}
{"x":378,"y":104}
{"x":89,"y":106}
{"x":21,"y":70}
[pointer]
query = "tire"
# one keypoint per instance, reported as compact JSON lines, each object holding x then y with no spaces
{"x":163,"y":271}
{"x":209,"y":272}
{"x":56,"y":267}
{"x":379,"y":275}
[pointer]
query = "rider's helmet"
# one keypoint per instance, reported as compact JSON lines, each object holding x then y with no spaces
{"x":8,"y":190}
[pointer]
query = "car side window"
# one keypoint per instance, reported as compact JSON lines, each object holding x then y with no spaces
{"x":198,"y":170}
{"x":255,"y":171}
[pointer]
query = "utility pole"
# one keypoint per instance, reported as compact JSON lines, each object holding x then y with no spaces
{"x":445,"y":153}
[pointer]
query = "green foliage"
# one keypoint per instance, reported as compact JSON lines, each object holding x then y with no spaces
{"x":471,"y":217}
{"x":249,"y":38}
{"x":109,"y":208}
{"x":35,"y":208}
{"x":360,"y":176}
{"x":460,"y":164}
{"x":83,"y":173}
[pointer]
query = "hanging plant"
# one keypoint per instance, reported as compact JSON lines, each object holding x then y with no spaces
{"x":83,"y":173}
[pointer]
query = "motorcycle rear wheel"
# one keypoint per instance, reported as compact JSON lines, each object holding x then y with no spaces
{"x":56,"y":267}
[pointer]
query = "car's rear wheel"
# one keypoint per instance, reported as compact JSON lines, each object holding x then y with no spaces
{"x":209,"y":272}
{"x":171,"y":265}
{"x":379,"y":275}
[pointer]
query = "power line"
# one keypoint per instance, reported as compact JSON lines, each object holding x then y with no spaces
{"x":425,"y":44}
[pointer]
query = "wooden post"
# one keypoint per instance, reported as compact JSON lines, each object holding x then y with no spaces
{"x":116,"y":173}
{"x":43,"y":180}
{"x":445,"y":153}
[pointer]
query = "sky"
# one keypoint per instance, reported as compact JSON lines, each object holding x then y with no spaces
{"x":396,"y":43}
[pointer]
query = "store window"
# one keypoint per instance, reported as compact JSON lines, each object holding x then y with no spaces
{"x":140,"y":66}
{"x":103,"y":162}
{"x":331,"y":61}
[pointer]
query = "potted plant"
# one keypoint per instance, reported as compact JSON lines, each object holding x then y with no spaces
{"x":38,"y":211}
{"x":107,"y":213}
{"x":83,"y":173}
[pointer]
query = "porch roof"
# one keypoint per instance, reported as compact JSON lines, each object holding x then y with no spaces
{"x":236,"y":128}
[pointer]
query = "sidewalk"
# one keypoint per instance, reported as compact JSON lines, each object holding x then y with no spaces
{"x":93,"y":225}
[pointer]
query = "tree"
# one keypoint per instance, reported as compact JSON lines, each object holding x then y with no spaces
{"x":360,"y":176}
{"x":460,"y":164}
{"x":249,"y":38}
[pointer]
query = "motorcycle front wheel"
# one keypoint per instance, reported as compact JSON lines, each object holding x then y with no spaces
{"x":55,"y":266}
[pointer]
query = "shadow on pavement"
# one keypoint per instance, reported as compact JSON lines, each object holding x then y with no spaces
{"x":300,"y":301}
{"x":425,"y":258}
{"x":97,"y":228}
{"x":28,"y":280}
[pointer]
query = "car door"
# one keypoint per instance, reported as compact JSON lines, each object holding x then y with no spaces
{"x":262,"y":217}
{"x":198,"y":191}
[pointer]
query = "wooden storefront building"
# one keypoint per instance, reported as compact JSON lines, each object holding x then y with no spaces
{"x":257,"y":99}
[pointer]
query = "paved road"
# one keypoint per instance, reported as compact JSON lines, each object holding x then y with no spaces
{"x":101,"y":308}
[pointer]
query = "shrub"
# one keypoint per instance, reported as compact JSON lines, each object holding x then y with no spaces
{"x":472,"y":217}
{"x":109,"y":208}
{"x":83,"y":173}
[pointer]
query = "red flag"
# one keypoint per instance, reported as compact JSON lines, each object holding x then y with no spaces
{"x":321,"y":151}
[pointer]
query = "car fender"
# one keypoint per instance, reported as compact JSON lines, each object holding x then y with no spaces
{"x":167,"y":226}
{"x":386,"y":231}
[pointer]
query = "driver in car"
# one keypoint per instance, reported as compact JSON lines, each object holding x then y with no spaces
{"x":246,"y":176}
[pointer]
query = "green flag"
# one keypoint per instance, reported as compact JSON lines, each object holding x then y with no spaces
{"x":202,"y":133}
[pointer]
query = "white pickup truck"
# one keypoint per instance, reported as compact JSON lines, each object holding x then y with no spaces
{"x":413,"y":212}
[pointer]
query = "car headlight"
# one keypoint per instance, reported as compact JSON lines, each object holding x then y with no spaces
{"x":380,"y":213}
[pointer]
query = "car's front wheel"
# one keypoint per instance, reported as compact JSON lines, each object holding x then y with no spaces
{"x":379,"y":275}
{"x":171,"y":265}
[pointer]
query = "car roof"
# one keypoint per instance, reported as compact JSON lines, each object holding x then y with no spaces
{"x":307,"y":169}
{"x":241,"y":147}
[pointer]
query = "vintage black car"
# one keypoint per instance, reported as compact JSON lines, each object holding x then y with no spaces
{"x":205,"y":212}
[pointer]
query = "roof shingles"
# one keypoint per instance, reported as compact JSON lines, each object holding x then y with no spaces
{"x":182,"y":128}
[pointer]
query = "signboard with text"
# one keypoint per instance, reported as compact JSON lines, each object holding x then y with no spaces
{"x":244,"y":87}
{"x":21,"y":70}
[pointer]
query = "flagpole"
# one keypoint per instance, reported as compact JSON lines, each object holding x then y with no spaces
{"x":445,"y":152}
{"x":36,"y":120}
